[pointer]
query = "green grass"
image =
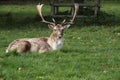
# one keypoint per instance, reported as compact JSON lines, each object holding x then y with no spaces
{"x":91,"y":50}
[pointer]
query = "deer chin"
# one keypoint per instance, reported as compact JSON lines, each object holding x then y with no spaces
{"x":56,"y":45}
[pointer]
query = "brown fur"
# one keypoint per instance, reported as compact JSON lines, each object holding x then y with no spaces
{"x":24,"y":47}
{"x":44,"y":39}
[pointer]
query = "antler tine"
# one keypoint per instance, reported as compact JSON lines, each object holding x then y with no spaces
{"x":39,"y":8}
{"x":75,"y":13}
{"x":63,"y":21}
{"x":53,"y":20}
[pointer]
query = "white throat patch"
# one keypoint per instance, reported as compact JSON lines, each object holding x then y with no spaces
{"x":56,"y":44}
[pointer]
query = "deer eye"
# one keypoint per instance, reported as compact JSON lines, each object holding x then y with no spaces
{"x":55,"y":30}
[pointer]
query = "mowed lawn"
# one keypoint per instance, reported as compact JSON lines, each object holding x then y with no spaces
{"x":91,"y":49}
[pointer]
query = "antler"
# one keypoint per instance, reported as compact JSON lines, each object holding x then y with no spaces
{"x":75,"y":13}
{"x":76,"y":5}
{"x":39,"y":8}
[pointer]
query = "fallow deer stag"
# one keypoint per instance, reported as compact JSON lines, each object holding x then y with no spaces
{"x":43,"y":44}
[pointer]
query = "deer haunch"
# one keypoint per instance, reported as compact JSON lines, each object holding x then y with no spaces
{"x":31,"y":44}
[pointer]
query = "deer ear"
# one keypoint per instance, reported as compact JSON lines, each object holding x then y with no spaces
{"x":66,"y":26}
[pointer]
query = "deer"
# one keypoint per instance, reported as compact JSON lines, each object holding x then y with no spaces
{"x":44,"y":44}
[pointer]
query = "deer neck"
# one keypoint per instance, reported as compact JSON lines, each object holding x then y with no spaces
{"x":55,"y":42}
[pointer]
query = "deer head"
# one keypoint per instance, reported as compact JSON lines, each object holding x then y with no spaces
{"x":58,"y":28}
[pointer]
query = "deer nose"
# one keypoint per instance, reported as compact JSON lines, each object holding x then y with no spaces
{"x":60,"y":36}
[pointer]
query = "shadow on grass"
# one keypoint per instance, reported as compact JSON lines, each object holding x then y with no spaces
{"x":9,"y":21}
{"x":102,"y":19}
{"x":87,"y":51}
